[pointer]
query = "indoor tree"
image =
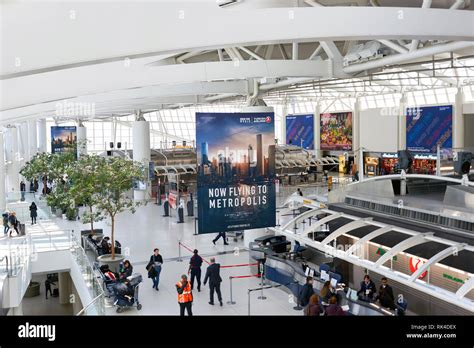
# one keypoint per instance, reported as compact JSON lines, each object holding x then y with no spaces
{"x":117,"y":176}
{"x":86,"y":186}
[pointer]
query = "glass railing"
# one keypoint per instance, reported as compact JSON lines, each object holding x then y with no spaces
{"x":18,"y":252}
{"x":97,"y":306}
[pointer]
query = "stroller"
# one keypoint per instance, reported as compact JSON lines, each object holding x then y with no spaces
{"x":126,"y":293}
{"x":109,"y":280}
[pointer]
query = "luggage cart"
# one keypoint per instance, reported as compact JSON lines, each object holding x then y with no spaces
{"x":235,"y":235}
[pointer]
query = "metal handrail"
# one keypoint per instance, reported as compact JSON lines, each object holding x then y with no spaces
{"x":7,"y":263}
{"x":90,"y":304}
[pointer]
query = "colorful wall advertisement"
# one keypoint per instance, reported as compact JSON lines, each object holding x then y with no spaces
{"x":63,"y":139}
{"x":236,"y":171}
{"x":300,"y":131}
{"x":428,"y":126}
{"x":336,"y":131}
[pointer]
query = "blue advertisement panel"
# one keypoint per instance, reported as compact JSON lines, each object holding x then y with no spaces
{"x":63,"y":139}
{"x":300,"y":131}
{"x":236,"y":171}
{"x":428,"y":126}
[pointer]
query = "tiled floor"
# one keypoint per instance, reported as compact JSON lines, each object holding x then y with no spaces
{"x":141,"y":232}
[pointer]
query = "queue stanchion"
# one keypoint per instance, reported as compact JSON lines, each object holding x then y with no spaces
{"x":231,"y":302}
{"x":179,"y":252}
{"x":262,"y":297}
{"x":248,"y":301}
{"x":297,"y":307}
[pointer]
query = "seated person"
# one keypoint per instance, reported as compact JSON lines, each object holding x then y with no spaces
{"x":385,"y":295}
{"x":327,"y":291}
{"x":367,"y":288}
{"x":334,"y":309}
{"x":297,"y":249}
{"x":306,"y":292}
{"x":124,"y":291}
{"x":126,"y":270}
{"x":104,"y":247}
{"x":314,"y":307}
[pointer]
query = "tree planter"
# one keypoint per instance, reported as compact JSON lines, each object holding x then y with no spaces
{"x":33,"y":289}
{"x":114,"y":265}
{"x":59,"y":213}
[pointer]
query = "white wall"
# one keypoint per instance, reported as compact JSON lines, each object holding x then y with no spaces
{"x":378,"y":130}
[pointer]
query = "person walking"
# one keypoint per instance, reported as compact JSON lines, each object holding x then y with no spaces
{"x":156,"y":260}
{"x":215,"y":280}
{"x":219,"y":235}
{"x":5,"y":223}
{"x":47,"y":285}
{"x":13,"y":221}
{"x":23,"y":190}
{"x":195,"y":269}
{"x":185,"y":296}
{"x":33,"y":212}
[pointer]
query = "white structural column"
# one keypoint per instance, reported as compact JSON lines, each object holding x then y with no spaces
{"x":141,"y":151}
{"x":24,"y":148}
{"x":358,"y":157}
{"x":458,"y":121}
{"x":402,"y":124}
{"x":14,"y":156}
{"x":317,"y":131}
{"x":283,"y":122}
{"x":3,"y":201}
{"x":42,"y":135}
{"x":81,"y":140}
{"x":32,"y":139}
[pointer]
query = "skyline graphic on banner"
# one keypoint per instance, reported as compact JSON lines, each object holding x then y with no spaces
{"x":236,"y":171}
{"x":300,"y":131}
{"x":63,"y":139}
{"x":428,"y":126}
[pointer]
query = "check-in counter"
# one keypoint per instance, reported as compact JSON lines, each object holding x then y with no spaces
{"x":290,"y":273}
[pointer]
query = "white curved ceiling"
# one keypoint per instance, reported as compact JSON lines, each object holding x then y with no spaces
{"x":126,"y":55}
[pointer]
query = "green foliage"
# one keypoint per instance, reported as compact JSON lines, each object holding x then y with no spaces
{"x":102,"y":184}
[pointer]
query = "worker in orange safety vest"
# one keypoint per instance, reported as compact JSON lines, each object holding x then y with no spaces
{"x":185,"y":295}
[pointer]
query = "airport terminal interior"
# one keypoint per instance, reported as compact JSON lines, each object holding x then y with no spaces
{"x":128,"y":188}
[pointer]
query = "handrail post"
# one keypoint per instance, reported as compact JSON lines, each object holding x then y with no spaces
{"x":261,"y":297}
{"x":231,"y":302}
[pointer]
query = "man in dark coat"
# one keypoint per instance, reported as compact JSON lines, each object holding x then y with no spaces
{"x":195,"y":269}
{"x":367,"y":288}
{"x":215,"y":280}
{"x":306,"y":292}
{"x":385,"y":296}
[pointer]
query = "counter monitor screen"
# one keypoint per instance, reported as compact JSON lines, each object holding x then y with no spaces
{"x":324,"y":275}
{"x":333,"y":282}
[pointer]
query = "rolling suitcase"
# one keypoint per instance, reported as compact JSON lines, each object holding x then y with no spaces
{"x":21,"y":229}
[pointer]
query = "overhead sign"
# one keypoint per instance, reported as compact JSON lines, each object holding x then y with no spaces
{"x":236,"y":171}
{"x":63,"y":139}
{"x":428,"y":126}
{"x":300,"y":131}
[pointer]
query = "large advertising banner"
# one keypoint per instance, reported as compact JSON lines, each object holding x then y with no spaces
{"x":63,"y":139}
{"x":336,"y":131}
{"x":236,"y":171}
{"x":300,"y":131}
{"x":428,"y":126}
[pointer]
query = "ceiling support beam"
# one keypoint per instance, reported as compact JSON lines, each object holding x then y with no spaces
{"x":401,"y":58}
{"x":250,"y":53}
{"x":414,"y":43}
{"x":393,"y":46}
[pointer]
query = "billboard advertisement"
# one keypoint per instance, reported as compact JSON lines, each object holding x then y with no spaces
{"x":428,"y":126}
{"x":336,"y":131}
{"x":63,"y":139}
{"x":300,"y":131}
{"x":236,"y":171}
